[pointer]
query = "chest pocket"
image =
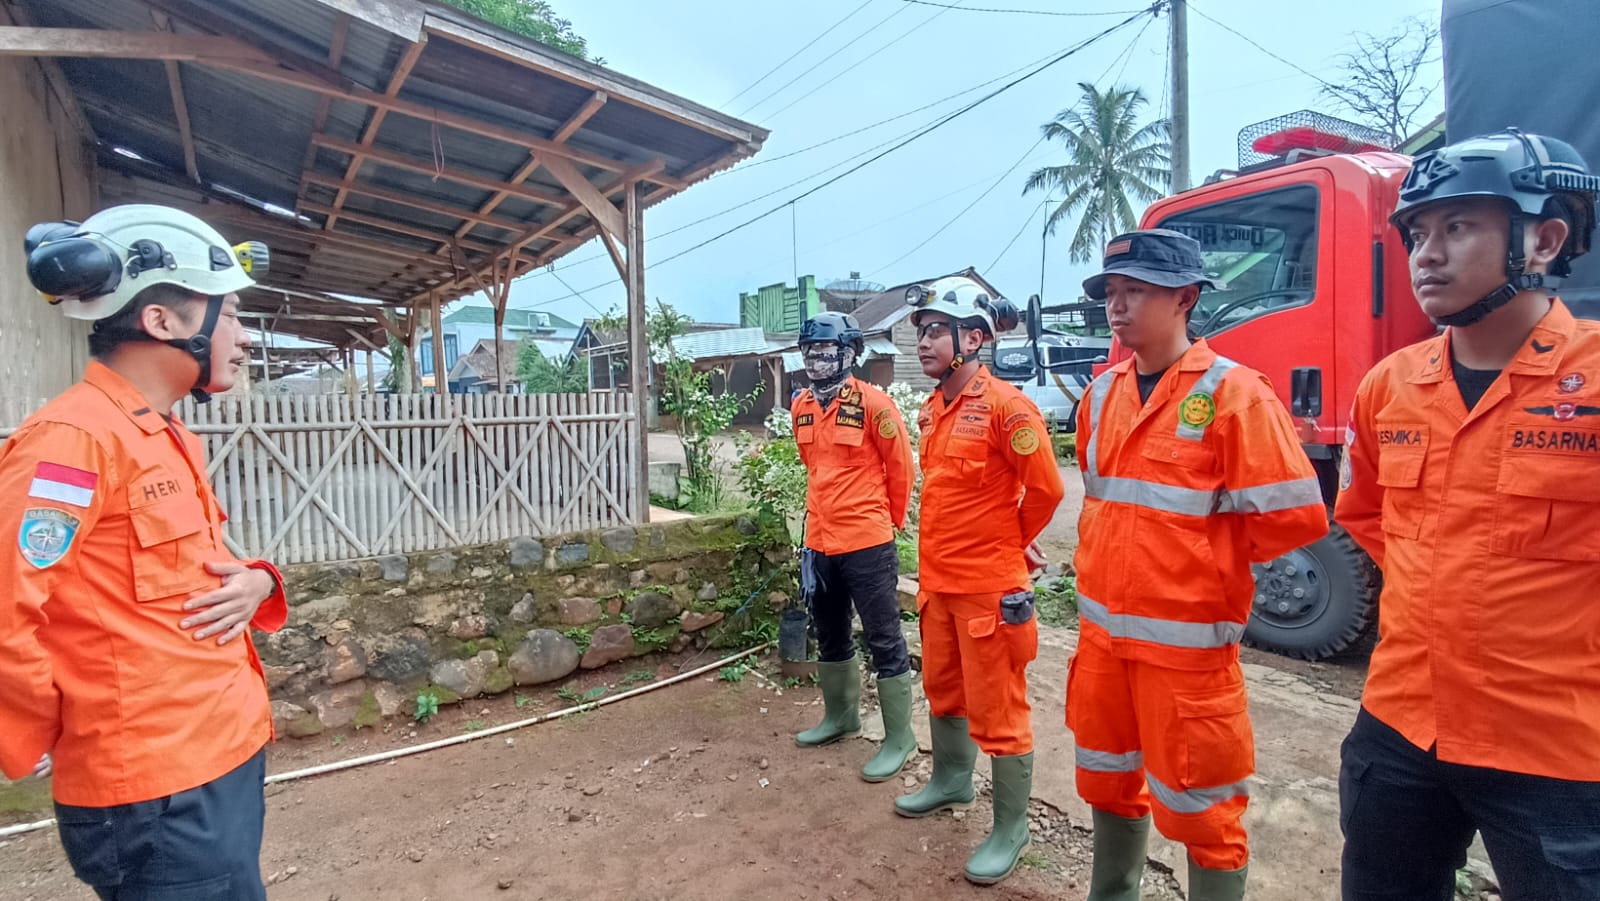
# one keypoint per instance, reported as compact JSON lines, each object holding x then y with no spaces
{"x":1181,"y":462}
{"x":1402,"y":450}
{"x":846,"y":435}
{"x":971,"y":456}
{"x":171,"y":537}
{"x":1547,"y":507}
{"x":1400,"y":474}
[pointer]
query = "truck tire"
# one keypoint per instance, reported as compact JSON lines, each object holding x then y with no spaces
{"x":1314,"y":602}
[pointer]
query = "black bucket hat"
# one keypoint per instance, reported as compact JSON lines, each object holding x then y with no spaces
{"x":1159,"y":256}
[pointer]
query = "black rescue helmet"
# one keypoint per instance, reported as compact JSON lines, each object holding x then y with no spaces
{"x":840,"y":328}
{"x":1538,"y":177}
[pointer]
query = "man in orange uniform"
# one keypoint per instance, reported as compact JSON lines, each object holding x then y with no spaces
{"x":858,"y":462}
{"x":124,"y":650}
{"x":1191,"y":472}
{"x":990,"y":485}
{"x":1472,"y":477}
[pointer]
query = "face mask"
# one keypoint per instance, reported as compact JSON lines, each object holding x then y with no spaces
{"x":827,"y":366}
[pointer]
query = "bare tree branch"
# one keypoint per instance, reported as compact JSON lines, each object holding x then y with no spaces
{"x":1382,"y":83}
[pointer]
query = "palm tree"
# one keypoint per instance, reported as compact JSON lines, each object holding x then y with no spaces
{"x":1113,"y":161}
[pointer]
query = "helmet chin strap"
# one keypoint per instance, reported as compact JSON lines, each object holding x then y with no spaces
{"x":1517,"y":281}
{"x":958,"y":359}
{"x":199,"y":347}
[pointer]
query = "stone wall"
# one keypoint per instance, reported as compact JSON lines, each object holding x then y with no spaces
{"x":365,"y":637}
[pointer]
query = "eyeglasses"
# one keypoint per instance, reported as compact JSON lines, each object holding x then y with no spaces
{"x":932,"y":329}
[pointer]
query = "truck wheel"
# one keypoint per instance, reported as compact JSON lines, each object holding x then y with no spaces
{"x":1314,"y":602}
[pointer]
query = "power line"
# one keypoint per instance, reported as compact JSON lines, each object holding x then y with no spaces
{"x":803,"y":47}
{"x":865,"y":128}
{"x":576,"y":292}
{"x":745,"y":167}
{"x":1291,"y":64}
{"x":877,"y":224}
{"x":842,"y":72}
{"x":942,"y":121}
{"x":1026,"y":12}
{"x":848,"y":44}
{"x":1007,"y":249}
{"x":1127,"y":55}
{"x":975,"y":201}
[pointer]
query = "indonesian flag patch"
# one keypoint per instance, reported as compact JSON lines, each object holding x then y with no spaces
{"x":54,"y":482}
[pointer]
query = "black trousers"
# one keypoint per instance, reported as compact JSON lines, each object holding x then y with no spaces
{"x":1408,"y":819}
{"x":203,"y":844}
{"x":871,"y":577}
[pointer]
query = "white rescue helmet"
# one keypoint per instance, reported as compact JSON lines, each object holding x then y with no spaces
{"x":94,"y":269}
{"x":966,"y":302}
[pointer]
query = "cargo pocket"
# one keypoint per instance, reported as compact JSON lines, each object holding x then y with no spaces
{"x":1574,"y":853}
{"x":1072,"y":673}
{"x":1352,"y":778}
{"x":1020,"y":643}
{"x":89,"y":838}
{"x":1214,"y":730}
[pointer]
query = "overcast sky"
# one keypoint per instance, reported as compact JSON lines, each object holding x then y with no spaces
{"x":906,"y":55}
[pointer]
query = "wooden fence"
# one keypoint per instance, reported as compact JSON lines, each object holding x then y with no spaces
{"x":330,"y":477}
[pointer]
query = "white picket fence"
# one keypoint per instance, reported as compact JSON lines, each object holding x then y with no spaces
{"x":330,"y":477}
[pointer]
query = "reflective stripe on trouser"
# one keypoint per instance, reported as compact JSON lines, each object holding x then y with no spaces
{"x":1175,"y":743}
{"x":975,"y":665}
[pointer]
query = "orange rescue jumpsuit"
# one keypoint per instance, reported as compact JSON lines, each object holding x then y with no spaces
{"x":858,"y":466}
{"x":990,"y":485}
{"x":1487,"y":527}
{"x":115,"y":521}
{"x":1181,"y":495}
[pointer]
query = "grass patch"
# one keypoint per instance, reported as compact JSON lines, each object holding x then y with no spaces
{"x":1056,"y":603}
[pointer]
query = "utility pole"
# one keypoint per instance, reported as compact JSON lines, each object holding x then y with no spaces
{"x":1178,"y":59}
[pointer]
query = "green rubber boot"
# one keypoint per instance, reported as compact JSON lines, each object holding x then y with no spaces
{"x":998,"y":855}
{"x":1216,"y":885}
{"x":1119,"y":852}
{"x":951,"y":785}
{"x":841,"y":703}
{"x":894,"y":698}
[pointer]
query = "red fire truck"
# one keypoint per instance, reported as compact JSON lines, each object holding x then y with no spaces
{"x":1314,"y":282}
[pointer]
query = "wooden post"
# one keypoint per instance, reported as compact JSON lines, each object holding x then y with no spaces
{"x":372,"y":382}
{"x":441,"y":378}
{"x":638,"y":348}
{"x":502,"y":293}
{"x":413,"y":371}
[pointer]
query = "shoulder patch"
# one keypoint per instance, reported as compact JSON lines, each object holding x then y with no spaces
{"x":1024,"y":441}
{"x":1014,"y":420}
{"x":1198,"y":410}
{"x":886,"y":425}
{"x":45,"y":536}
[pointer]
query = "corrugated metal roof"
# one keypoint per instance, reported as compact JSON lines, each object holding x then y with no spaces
{"x":733,"y":342}
{"x":881,"y":347}
{"x":255,"y":137}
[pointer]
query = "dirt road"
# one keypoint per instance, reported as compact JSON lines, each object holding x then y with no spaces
{"x":693,"y":792}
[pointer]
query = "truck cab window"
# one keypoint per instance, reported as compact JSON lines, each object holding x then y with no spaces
{"x":1261,"y":250}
